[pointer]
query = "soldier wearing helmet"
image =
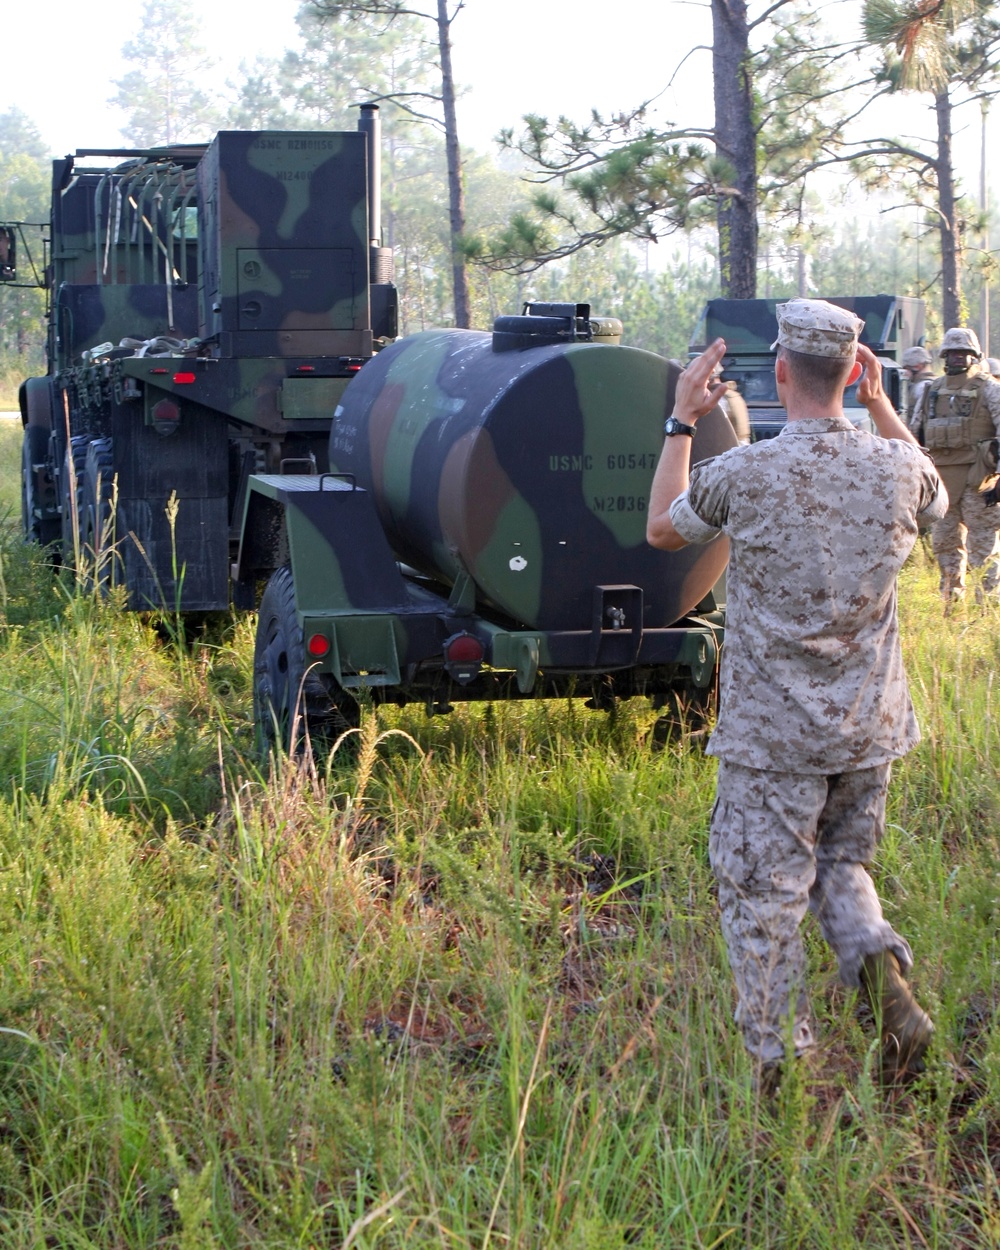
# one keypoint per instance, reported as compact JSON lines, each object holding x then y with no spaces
{"x":918,"y":371}
{"x":958,"y":420}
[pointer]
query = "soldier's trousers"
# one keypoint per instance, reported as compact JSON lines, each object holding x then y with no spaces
{"x":783,"y":844}
{"x":967,"y":534}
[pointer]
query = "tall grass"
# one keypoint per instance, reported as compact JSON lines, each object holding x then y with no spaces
{"x":460,"y":984}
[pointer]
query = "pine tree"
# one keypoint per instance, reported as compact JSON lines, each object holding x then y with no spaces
{"x":776,"y":110}
{"x":25,"y":182}
{"x":951,"y":50}
{"x":161,"y":98}
{"x":439,"y":16}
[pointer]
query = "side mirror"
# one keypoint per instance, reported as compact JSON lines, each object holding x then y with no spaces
{"x":892,"y":385}
{"x":8,"y":254}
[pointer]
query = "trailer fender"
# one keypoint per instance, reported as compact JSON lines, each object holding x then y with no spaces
{"x":327,"y":530}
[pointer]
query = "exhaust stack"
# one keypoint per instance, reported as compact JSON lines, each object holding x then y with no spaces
{"x":371,"y":124}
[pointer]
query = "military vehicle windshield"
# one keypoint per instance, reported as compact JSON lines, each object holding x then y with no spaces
{"x":757,"y":386}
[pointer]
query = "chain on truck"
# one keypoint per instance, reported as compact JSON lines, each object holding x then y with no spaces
{"x":454,"y":515}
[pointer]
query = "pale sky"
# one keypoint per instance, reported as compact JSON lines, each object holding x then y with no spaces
{"x":513,"y":57}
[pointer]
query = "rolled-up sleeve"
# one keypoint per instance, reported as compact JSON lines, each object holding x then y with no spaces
{"x":933,"y":496}
{"x":701,"y":512}
{"x":688,"y":523}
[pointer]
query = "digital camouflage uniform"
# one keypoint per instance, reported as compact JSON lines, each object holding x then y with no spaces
{"x":814,"y":702}
{"x":915,"y":388}
{"x":735,"y":408}
{"x":958,"y":421}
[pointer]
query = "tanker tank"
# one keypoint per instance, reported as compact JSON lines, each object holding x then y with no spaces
{"x":527,"y":469}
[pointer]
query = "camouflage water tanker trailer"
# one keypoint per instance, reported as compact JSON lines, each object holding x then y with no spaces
{"x":456,"y":515}
{"x":482,"y":532}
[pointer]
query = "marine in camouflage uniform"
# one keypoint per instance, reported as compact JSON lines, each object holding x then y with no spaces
{"x":814,"y":704}
{"x":958,"y":421}
{"x":918,"y":371}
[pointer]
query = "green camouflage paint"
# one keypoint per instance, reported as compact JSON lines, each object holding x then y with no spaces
{"x":228,"y":290}
{"x":622,"y":448}
{"x":528,"y":470}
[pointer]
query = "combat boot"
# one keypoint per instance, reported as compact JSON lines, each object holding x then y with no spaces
{"x":906,"y":1028}
{"x":769,"y":1081}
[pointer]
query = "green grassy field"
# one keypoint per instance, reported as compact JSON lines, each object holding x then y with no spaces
{"x":460,"y":983}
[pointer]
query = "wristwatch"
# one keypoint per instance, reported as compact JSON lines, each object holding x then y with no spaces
{"x":673,"y":426}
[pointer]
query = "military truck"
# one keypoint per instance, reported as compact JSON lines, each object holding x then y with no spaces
{"x":892,"y":324}
{"x":228,"y":419}
{"x":207,"y":306}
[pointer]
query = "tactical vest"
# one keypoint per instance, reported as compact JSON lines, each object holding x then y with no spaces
{"x":956,"y":421}
{"x":914,"y":392}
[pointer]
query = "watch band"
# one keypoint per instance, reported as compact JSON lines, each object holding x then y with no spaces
{"x":673,"y":426}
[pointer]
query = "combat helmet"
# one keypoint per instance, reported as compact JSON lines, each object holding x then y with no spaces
{"x":915,"y":357}
{"x":961,"y":339}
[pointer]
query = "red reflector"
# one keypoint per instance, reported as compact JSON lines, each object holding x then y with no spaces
{"x":157,"y":371}
{"x":166,"y":410}
{"x":464,"y":649}
{"x":306,"y":369}
{"x":183,"y":377}
{"x":353,"y":368}
{"x":318,"y":645}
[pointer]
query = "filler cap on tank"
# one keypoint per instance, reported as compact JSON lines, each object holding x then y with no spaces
{"x":606,"y":330}
{"x":541,"y":325}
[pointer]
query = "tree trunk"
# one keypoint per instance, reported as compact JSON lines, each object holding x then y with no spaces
{"x":456,"y":197}
{"x":23,"y":325}
{"x":736,"y":142}
{"x":951,"y":239}
{"x":803,"y":262}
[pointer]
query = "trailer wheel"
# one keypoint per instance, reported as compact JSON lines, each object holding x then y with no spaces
{"x":683,"y":715}
{"x":97,"y":515}
{"x":70,"y":495}
{"x":292,"y":703}
{"x":37,"y":488}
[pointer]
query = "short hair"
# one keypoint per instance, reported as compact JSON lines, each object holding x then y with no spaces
{"x":824,"y":377}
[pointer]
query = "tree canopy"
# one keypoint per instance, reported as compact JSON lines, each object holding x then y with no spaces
{"x":162,"y":97}
{"x":751,"y":204}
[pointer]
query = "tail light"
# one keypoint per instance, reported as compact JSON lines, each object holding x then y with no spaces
{"x":318,"y":646}
{"x":166,"y":415}
{"x":463,"y":657}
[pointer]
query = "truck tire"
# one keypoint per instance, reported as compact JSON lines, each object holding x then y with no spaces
{"x":37,"y":488}
{"x":293,"y":704}
{"x":97,"y":515}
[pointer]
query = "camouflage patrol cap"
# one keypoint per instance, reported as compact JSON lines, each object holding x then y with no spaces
{"x":915,"y":356}
{"x":816,"y":328}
